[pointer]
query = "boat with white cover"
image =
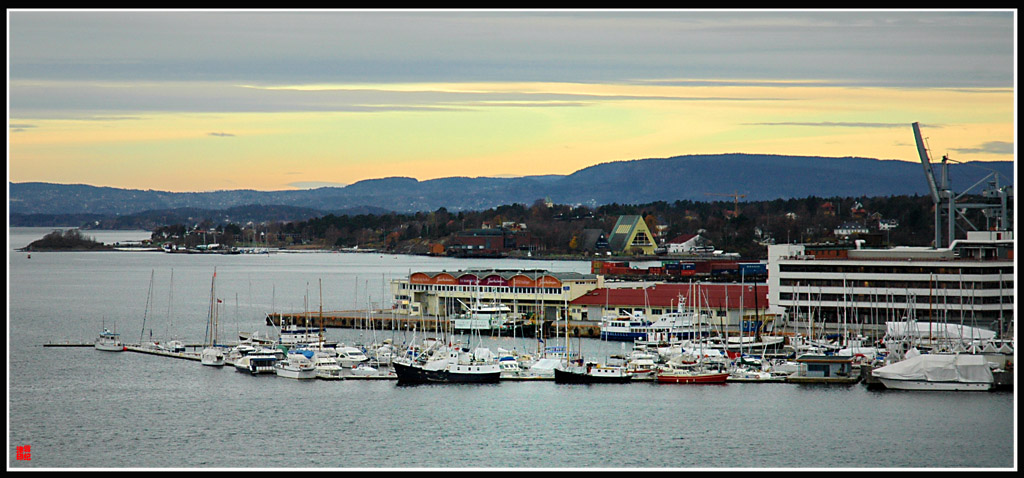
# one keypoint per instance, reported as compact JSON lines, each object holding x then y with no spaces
{"x":956,"y":372}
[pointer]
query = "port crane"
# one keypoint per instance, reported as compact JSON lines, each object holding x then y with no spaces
{"x":735,"y":197}
{"x":942,"y":192}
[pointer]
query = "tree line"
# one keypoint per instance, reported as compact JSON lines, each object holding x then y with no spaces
{"x":745,"y":227}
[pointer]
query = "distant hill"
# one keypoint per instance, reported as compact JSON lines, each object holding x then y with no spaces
{"x":692,"y":177}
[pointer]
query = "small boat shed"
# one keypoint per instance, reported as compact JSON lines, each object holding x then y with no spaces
{"x":824,"y":368}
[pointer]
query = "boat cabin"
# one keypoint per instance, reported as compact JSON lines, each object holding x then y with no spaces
{"x":824,"y":366}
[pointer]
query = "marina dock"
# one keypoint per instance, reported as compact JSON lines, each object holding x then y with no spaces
{"x":858,"y":373}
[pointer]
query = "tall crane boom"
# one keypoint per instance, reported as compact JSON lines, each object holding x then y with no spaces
{"x":929,"y":174}
{"x":736,"y":199}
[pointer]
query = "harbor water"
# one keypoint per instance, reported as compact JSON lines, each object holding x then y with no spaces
{"x":76,"y":407}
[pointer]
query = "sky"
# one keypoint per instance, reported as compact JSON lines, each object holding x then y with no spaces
{"x":203,"y":100}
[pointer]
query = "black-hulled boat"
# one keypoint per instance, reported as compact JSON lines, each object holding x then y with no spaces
{"x":591,"y":373}
{"x":451,"y":367}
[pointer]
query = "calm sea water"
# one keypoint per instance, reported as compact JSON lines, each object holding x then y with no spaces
{"x":80,"y":408}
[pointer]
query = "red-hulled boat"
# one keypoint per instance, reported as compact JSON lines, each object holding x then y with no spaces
{"x":695,"y":373}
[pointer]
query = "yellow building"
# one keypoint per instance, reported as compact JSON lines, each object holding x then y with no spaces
{"x":631,"y":236}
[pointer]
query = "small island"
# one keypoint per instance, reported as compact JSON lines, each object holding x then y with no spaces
{"x":69,"y":240}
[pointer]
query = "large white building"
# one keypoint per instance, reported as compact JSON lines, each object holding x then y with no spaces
{"x":539,"y":293}
{"x":969,"y":283}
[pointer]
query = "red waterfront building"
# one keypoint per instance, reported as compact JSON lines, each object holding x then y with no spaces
{"x":729,"y":305}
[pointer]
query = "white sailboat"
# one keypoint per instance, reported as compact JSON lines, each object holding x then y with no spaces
{"x":212,"y":355}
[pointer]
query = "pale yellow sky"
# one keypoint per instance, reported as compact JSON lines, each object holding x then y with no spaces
{"x":516,"y":134}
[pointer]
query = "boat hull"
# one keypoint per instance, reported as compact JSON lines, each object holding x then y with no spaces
{"x":568,"y":376}
{"x":110,"y":347}
{"x":299,"y":374}
{"x":413,"y":374}
{"x":623,"y":336}
{"x":692,"y":378}
{"x":938,"y":386}
{"x":256,"y":366}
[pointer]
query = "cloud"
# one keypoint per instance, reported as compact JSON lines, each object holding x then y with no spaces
{"x":879,"y":48}
{"x":220,"y":134}
{"x":19,"y":127}
{"x":991,"y":147}
{"x":316,"y":184}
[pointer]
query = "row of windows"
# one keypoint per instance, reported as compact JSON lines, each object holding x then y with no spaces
{"x":860,"y":299}
{"x":898,"y":284}
{"x":481,"y":289}
{"x":805,"y":267}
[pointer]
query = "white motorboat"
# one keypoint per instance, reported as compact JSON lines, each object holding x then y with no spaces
{"x":327,"y":367}
{"x":349,"y":357}
{"x":109,"y":341}
{"x":174,"y":346}
{"x":257,"y":361}
{"x":297,"y":366}
{"x":482,"y":318}
{"x":363,"y":370}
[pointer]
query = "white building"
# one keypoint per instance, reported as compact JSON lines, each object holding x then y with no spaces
{"x":536,"y":292}
{"x":970,"y":283}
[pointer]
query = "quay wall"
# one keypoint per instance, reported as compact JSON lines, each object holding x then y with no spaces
{"x":381,"y":320}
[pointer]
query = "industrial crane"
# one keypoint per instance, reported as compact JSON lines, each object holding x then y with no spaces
{"x":735,"y":197}
{"x":939,"y":186}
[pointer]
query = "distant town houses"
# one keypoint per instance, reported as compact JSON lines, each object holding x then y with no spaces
{"x":850,"y":228}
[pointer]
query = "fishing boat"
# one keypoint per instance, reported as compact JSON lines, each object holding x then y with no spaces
{"x":446,"y":364}
{"x":297,"y":366}
{"x":581,"y":371}
{"x":109,"y":341}
{"x":573,"y":368}
{"x":951,"y":372}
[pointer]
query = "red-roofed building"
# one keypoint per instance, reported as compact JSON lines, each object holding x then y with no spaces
{"x":725,"y":303}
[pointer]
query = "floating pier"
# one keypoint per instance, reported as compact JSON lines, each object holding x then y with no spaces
{"x":163,"y":353}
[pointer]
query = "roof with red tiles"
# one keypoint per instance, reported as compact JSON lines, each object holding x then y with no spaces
{"x":717,"y":296}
